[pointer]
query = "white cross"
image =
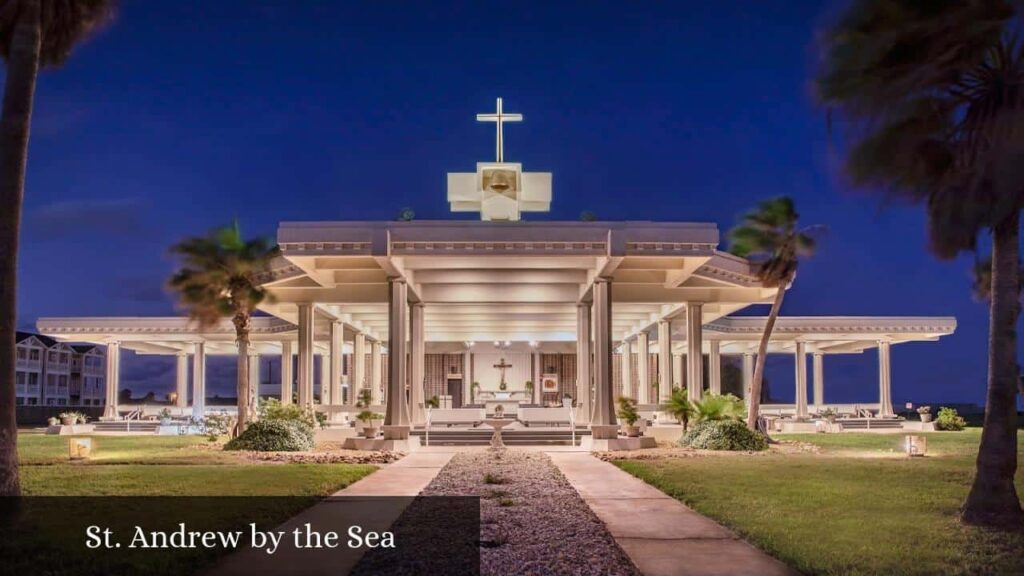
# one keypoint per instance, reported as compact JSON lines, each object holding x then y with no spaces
{"x":499,"y":118}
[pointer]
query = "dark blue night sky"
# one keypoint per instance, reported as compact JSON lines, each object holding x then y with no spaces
{"x":184,"y":115}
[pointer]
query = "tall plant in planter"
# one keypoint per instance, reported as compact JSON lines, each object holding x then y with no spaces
{"x":219,"y":278}
{"x":935,"y":91}
{"x":772,"y":238}
{"x":33,"y":34}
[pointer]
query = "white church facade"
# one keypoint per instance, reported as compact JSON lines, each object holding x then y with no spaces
{"x":531,"y":316}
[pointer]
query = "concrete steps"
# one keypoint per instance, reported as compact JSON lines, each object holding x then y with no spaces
{"x":482,"y":437}
{"x":139,"y":426}
{"x":870,"y":424}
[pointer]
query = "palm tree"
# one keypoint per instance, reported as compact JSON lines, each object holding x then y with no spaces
{"x":680,"y":407}
{"x":771,"y":237}
{"x":33,"y":34}
{"x":219,"y":278}
{"x":935,"y":94}
{"x":981,"y":279}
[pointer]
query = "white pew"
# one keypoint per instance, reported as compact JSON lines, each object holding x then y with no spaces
{"x":553,"y":416}
{"x":449,"y":416}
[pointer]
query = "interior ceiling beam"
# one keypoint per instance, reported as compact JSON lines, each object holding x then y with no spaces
{"x":496,"y":262}
{"x":530,"y":276}
{"x":499,"y":293}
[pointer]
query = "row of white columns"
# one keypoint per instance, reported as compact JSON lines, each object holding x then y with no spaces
{"x":694,"y":370}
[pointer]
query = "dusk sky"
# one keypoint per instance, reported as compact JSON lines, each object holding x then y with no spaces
{"x":183,"y":115}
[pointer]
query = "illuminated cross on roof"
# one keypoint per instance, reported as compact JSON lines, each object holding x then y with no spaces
{"x":499,"y":118}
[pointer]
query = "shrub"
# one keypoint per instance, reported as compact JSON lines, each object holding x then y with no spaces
{"x":718,"y":407}
{"x":948,"y":420}
{"x":217,"y":425}
{"x":724,"y":435}
{"x":274,"y":436}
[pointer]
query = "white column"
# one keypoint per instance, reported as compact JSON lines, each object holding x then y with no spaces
{"x":748,"y":374}
{"x":604,"y":391}
{"x":466,"y":359}
{"x":694,"y":350}
{"x":416,"y":368}
{"x":254,"y":384}
{"x":305,"y":370}
{"x":199,"y":381}
{"x":884,"y":380}
{"x":337,"y":353}
{"x":664,"y":361}
{"x":181,"y":380}
{"x":583,"y":378}
{"x":375,"y":372}
{"x":819,"y":379}
{"x":537,"y":370}
{"x":678,"y":372}
{"x":325,"y":379}
{"x":715,"y":367}
{"x":113,"y":379}
{"x":801,"y":379}
{"x":395,"y":416}
{"x":643,"y":372}
{"x":287,"y":373}
{"x":359,"y":381}
{"x":627,"y":369}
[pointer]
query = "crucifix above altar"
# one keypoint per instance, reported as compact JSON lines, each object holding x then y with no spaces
{"x":499,"y":190}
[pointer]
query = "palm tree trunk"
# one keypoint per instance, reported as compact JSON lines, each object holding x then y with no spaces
{"x":993,"y":500}
{"x":241,"y":322}
{"x":15,"y":120}
{"x":754,"y":402}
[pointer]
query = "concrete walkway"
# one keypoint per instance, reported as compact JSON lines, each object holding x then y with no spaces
{"x":361,"y":506}
{"x":661,"y":535}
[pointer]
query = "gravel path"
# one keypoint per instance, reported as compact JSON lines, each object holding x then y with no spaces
{"x":532,"y":521}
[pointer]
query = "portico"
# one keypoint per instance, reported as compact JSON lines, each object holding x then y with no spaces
{"x":554,"y":320}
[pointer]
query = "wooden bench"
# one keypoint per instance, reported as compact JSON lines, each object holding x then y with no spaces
{"x":450,"y":416}
{"x":554,"y":416}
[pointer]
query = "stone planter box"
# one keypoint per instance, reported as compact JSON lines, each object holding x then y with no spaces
{"x":74,"y":429}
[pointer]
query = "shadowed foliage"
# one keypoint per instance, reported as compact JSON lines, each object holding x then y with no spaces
{"x":771,"y":237}
{"x":33,"y":34}
{"x":933,"y":94}
{"x":219,"y":278}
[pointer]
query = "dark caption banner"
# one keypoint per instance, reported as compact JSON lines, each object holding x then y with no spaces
{"x":247,"y":536}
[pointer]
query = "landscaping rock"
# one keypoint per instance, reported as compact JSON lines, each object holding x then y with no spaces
{"x":532,"y":520}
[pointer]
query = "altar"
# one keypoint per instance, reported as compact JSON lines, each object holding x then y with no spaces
{"x":509,"y":400}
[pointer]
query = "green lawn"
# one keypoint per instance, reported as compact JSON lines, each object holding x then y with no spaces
{"x":856,"y":508}
{"x":48,"y":537}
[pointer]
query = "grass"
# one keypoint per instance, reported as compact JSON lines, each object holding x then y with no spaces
{"x":858,"y":507}
{"x":49,"y":536}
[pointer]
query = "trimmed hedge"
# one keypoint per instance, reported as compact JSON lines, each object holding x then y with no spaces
{"x":274,"y":436}
{"x":949,"y":421}
{"x":724,"y":435}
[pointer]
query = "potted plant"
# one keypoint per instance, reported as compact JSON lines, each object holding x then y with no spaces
{"x":529,"y":388}
{"x":364,"y":398}
{"x":81,"y":418}
{"x":165,"y":417}
{"x":829,"y":415}
{"x":433,"y":402}
{"x":473,"y":389}
{"x":68,"y":418}
{"x":926,"y":413}
{"x":629,"y":416}
{"x":53,"y":421}
{"x":371,"y":422}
